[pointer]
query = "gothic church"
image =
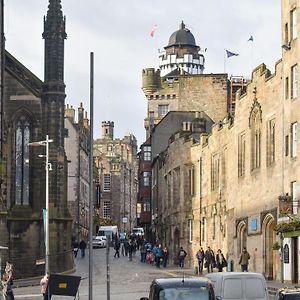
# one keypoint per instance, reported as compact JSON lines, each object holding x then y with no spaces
{"x":30,"y":110}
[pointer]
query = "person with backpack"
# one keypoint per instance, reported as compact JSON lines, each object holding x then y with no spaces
{"x":181,"y":257}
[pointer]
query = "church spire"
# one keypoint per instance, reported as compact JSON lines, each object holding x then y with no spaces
{"x":54,"y":35}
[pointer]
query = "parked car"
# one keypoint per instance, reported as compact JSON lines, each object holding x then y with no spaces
{"x":288,"y":294}
{"x":239,"y":285}
{"x":99,"y":242}
{"x":181,"y":289}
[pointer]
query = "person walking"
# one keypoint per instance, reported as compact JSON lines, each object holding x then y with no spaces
{"x":82,"y":247}
{"x":7,"y":282}
{"x":130,"y":249}
{"x":44,"y":286}
{"x":117,"y":248}
{"x":159,"y":255}
{"x":220,"y":261}
{"x":209,"y":259}
{"x":200,"y":258}
{"x":244,"y":260}
{"x":181,"y":257}
{"x":165,"y":256}
{"x":75,"y":248}
{"x":143,"y":253}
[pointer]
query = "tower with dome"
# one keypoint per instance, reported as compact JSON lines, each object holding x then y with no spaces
{"x":181,"y":54}
{"x":179,"y":84}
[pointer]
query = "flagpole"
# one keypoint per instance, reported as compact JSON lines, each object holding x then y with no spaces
{"x":224,"y":60}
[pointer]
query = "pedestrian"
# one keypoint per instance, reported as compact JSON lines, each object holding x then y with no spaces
{"x":220,"y":261}
{"x":143,"y":253}
{"x":244,"y":260}
{"x":159,"y":255}
{"x":130,"y":249}
{"x":82,"y":247}
{"x":117,"y":248}
{"x":44,"y":286}
{"x":209,"y":260}
{"x":181,"y":257}
{"x":7,"y":282}
{"x":200,"y":258}
{"x":75,"y":248}
{"x":165,"y":257}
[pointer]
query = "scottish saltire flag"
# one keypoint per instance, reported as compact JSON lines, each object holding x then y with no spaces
{"x":250,"y":38}
{"x":229,"y":53}
{"x":153,"y":30}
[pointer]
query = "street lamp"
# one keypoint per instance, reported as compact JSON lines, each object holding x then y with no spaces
{"x":48,"y":168}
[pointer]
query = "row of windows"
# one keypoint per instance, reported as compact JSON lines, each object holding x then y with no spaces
{"x":290,"y":147}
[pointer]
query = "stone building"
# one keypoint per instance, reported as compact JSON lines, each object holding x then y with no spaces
{"x":243,"y":170}
{"x":116,"y":160}
{"x":172,"y":177}
{"x":77,"y":145}
{"x":33,"y":109}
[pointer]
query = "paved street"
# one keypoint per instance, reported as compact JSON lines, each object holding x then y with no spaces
{"x":129,"y":280}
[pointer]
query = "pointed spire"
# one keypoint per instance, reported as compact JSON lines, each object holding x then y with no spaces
{"x":182,"y":25}
{"x":54,"y":35}
{"x":54,"y":22}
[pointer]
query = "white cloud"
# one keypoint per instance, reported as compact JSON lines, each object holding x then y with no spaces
{"x":119,"y":34}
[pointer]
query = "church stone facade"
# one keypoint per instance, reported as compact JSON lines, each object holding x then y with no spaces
{"x":32,"y":109}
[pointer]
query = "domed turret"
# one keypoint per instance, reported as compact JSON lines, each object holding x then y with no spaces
{"x":181,"y":55}
{"x":182,"y":37}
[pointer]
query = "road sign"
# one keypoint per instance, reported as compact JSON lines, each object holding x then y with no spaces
{"x":124,"y":220}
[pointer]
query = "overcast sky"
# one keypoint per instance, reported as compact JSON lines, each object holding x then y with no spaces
{"x":118,"y":32}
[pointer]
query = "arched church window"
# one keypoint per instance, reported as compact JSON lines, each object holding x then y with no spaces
{"x":22,"y":137}
{"x":255,"y":128}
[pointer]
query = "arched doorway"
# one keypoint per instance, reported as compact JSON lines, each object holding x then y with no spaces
{"x":241,"y":237}
{"x":269,"y":255}
{"x":176,"y":244}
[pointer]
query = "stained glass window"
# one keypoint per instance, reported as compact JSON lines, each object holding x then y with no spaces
{"x":22,"y":163}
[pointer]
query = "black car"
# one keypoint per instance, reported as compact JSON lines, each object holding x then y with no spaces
{"x":288,"y":294}
{"x":181,"y":289}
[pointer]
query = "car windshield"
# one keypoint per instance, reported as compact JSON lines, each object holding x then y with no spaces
{"x":184,"y":293}
{"x":291,"y":297}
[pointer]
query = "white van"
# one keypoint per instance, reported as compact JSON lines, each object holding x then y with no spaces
{"x":239,"y":285}
{"x":108,"y":231}
{"x":138,"y":231}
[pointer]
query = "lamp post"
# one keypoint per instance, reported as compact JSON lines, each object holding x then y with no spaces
{"x":47,"y":167}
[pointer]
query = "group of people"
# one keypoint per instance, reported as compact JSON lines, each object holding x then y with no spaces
{"x":207,"y":259}
{"x":82,"y":246}
{"x":151,"y":254}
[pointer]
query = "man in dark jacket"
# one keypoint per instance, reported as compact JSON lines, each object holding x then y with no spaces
{"x":117,"y":248}
{"x":209,"y":260}
{"x":82,"y":247}
{"x":200,"y":258}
